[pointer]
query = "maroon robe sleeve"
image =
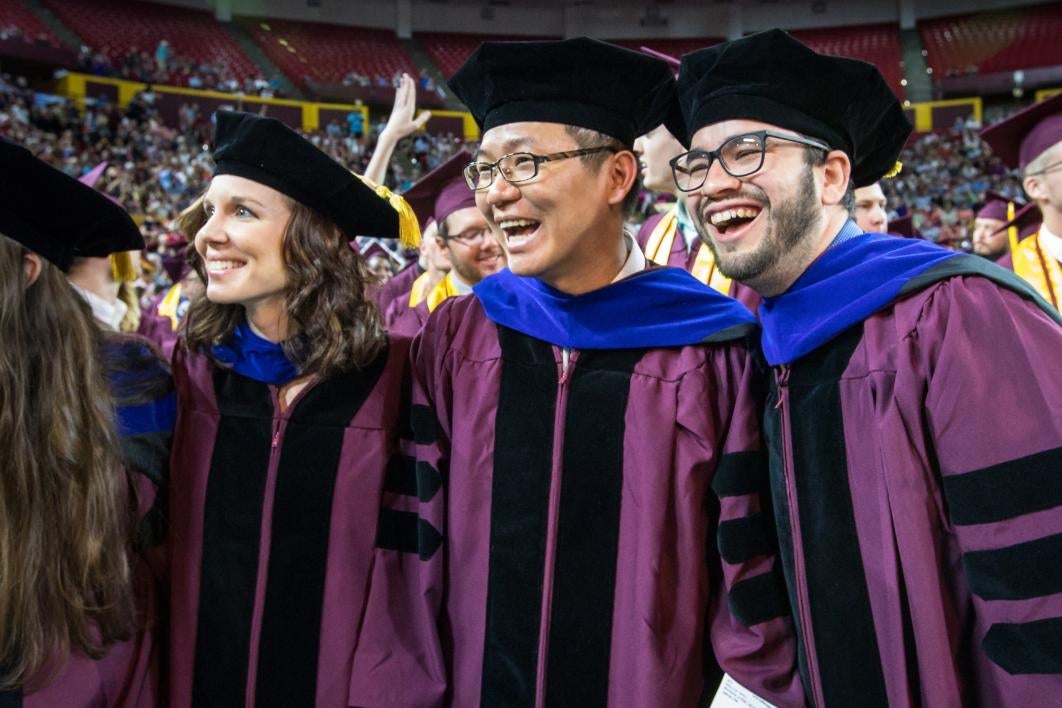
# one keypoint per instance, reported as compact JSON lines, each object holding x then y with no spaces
{"x":750,"y":623}
{"x":982,"y":383}
{"x":399,"y":660}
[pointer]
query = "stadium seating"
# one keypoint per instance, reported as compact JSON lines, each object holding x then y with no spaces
{"x":14,"y":13}
{"x":990,"y":42}
{"x":327,"y":53}
{"x":448,"y":50}
{"x":117,"y":27}
{"x":877,"y":44}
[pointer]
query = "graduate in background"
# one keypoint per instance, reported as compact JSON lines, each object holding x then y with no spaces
{"x":71,"y":631}
{"x":594,"y":422}
{"x":160,"y":322}
{"x":430,"y":268}
{"x":1031,"y":141}
{"x":463,"y":238}
{"x":289,"y":399}
{"x":920,"y":537}
{"x":870,"y":209}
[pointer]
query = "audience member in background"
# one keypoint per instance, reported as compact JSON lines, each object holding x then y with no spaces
{"x":413,"y":283}
{"x":162,"y":318}
{"x":915,"y":529}
{"x":76,"y":617}
{"x":1032,"y":142}
{"x":870,"y":209}
{"x":289,"y":402}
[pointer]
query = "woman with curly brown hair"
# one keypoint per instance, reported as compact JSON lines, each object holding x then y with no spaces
{"x":289,"y":399}
{"x":70,"y":631}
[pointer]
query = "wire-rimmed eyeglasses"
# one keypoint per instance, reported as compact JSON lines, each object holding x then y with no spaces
{"x":739,"y":156}
{"x":518,"y":166}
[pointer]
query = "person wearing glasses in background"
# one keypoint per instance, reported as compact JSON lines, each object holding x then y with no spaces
{"x":595,"y":425}
{"x":1032,"y":142}
{"x":463,"y":237}
{"x":919,"y":537}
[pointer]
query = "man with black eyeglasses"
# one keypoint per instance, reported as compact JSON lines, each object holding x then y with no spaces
{"x":600,"y":527}
{"x":1031,"y":141}
{"x":463,"y":236}
{"x":916,"y":476}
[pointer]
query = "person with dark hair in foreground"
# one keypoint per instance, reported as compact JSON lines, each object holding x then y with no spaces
{"x":76,"y":613}
{"x":289,"y":401}
{"x":919,"y":537}
{"x":584,"y":428}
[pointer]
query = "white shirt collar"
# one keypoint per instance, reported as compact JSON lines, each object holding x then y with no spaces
{"x":460,"y":286}
{"x":1051,"y":243}
{"x":635,"y":262}
{"x":108,"y":315}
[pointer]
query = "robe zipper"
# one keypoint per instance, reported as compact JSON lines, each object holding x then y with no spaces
{"x":565,"y":367}
{"x":781,"y":377}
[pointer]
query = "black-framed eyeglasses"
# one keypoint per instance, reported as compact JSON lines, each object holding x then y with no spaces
{"x":518,"y":166}
{"x":739,"y":156}
{"x":470,"y":236}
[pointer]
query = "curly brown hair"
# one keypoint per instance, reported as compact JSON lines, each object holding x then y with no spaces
{"x":65,"y":506}
{"x":334,"y":322}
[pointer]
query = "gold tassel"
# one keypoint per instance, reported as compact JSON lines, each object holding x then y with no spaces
{"x":408,"y":225}
{"x":122,"y":267}
{"x":1012,"y":230}
{"x":894,"y":171}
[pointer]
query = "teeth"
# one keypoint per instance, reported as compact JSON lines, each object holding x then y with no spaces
{"x":515,"y":223}
{"x":725,"y":217}
{"x":218,"y":266}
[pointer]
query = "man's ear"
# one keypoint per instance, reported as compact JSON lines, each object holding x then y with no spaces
{"x":31,"y":267}
{"x":1034,"y":187}
{"x":622,"y":172}
{"x":836,"y":175}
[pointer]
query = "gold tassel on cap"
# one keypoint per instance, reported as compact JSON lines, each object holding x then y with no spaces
{"x":1012,"y":230}
{"x":894,"y":171}
{"x":408,"y":225}
{"x":122,"y":267}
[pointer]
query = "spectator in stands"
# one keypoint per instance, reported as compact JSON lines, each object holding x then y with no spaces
{"x":871,"y":209}
{"x":285,"y":333}
{"x":1032,"y":142}
{"x":913,"y":524}
{"x":162,"y":55}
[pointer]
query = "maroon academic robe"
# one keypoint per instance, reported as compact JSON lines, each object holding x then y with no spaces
{"x":273,"y":518}
{"x":411,"y":320}
{"x":917,"y":481}
{"x":397,"y":286}
{"x":578,"y":512}
{"x":159,"y":328}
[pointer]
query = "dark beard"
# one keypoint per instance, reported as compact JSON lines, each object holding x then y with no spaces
{"x":790,"y":222}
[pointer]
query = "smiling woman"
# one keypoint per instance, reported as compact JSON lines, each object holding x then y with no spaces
{"x":289,"y":392}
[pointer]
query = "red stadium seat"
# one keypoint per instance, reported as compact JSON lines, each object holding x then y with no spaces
{"x":449,"y":50}
{"x":990,"y":42}
{"x":14,"y":14}
{"x":876,"y":44}
{"x":327,"y":53}
{"x":117,"y":27}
